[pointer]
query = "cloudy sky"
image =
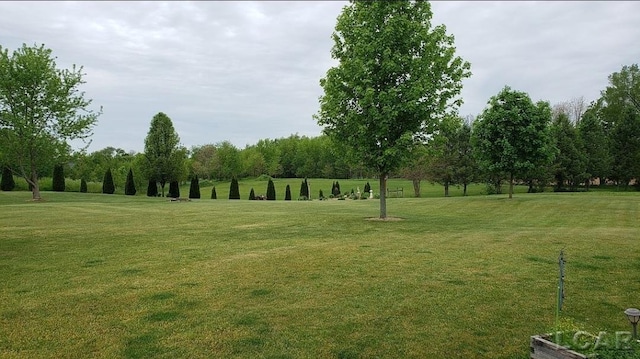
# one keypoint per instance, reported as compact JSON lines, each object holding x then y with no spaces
{"x":243,"y":71}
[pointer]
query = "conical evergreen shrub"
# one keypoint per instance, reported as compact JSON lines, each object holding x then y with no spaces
{"x":252,"y":195}
{"x":83,"y":186}
{"x":214,"y":195}
{"x":321,"y":195}
{"x":7,"y":183}
{"x":174,"y":189}
{"x":129,"y":185}
{"x":271,"y":191}
{"x":337,"y":189}
{"x":107,"y":183}
{"x":287,"y":194}
{"x":194,"y":188}
{"x":304,"y":189}
{"x":152,"y":189}
{"x":234,"y":189}
{"x":367,"y":188}
{"x":58,"y":178}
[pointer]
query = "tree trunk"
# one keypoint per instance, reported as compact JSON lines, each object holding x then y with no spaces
{"x":446,"y":188}
{"x":35,"y":187}
{"x":416,"y":187}
{"x":511,"y":186}
{"x":383,"y":195}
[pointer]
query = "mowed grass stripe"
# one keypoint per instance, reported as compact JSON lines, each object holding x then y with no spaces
{"x":457,"y":277}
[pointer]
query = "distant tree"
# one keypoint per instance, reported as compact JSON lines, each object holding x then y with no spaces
{"x":512,"y":135}
{"x":152,"y":188}
{"x":271,"y":191}
{"x":174,"y":189}
{"x":234,"y":189}
{"x":7,"y":183}
{"x":569,"y":164}
{"x":58,"y":178}
{"x":164,"y":156}
{"x":396,"y":76}
{"x":107,"y":183}
{"x":194,"y":187}
{"x":466,"y":170}
{"x":442,"y":153}
{"x":41,"y":108}
{"x":214,"y":195}
{"x":287,"y":194}
{"x":130,"y":185}
{"x":595,"y":145}
{"x":304,"y":189}
{"x":83,"y":186}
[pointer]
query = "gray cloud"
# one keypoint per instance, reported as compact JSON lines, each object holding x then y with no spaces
{"x":243,"y":71}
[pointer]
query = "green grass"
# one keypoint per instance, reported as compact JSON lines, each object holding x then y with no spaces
{"x":104,"y":276}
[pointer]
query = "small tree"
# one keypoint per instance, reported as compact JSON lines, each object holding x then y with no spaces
{"x":287,"y":194}
{"x":214,"y":195}
{"x":7,"y":183}
{"x":58,"y":178}
{"x":252,"y":195}
{"x":174,"y":189}
{"x":234,"y":189}
{"x":194,"y":188}
{"x":152,"y":189}
{"x":271,"y":191}
{"x":129,"y":185}
{"x":83,"y":186}
{"x":107,"y":183}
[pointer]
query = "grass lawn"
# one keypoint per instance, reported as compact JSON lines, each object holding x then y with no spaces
{"x":105,"y":276}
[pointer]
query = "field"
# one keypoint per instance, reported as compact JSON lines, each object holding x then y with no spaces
{"x":105,"y":276}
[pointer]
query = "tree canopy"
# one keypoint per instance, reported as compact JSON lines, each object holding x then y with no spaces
{"x":41,"y":108}
{"x":396,"y":77}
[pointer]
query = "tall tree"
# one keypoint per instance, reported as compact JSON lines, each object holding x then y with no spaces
{"x":130,"y":185}
{"x":41,"y":108}
{"x":396,"y":76}
{"x":7,"y":183}
{"x":512,"y":135}
{"x":443,"y":153}
{"x":234,"y":189}
{"x":58,"y":178}
{"x":569,"y":164}
{"x":194,"y":187}
{"x":466,"y":170}
{"x":596,"y":145}
{"x":107,"y":183}
{"x":164,"y":157}
{"x":271,"y":191}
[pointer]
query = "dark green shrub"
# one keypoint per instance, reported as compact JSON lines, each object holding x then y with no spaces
{"x":152,"y":189}
{"x":194,"y":187}
{"x":7,"y":183}
{"x":129,"y":185}
{"x":252,"y":195}
{"x":83,"y":186}
{"x":367,"y":188}
{"x":338,"y":188}
{"x":321,"y":195}
{"x":107,"y":183}
{"x":214,"y":195}
{"x":304,"y":189}
{"x":58,"y":178}
{"x":287,"y":194}
{"x":174,"y":189}
{"x":234,"y":189}
{"x":271,"y":191}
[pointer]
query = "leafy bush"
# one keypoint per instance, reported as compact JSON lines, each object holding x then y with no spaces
{"x":271,"y":191}
{"x":214,"y":195}
{"x":152,"y":189}
{"x":58,"y":178}
{"x":129,"y":185}
{"x":287,"y":194}
{"x":174,"y":189}
{"x":7,"y":183}
{"x":194,"y":187}
{"x":107,"y":183}
{"x":234,"y":189}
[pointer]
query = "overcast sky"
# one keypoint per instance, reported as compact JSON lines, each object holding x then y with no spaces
{"x":243,"y":71}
